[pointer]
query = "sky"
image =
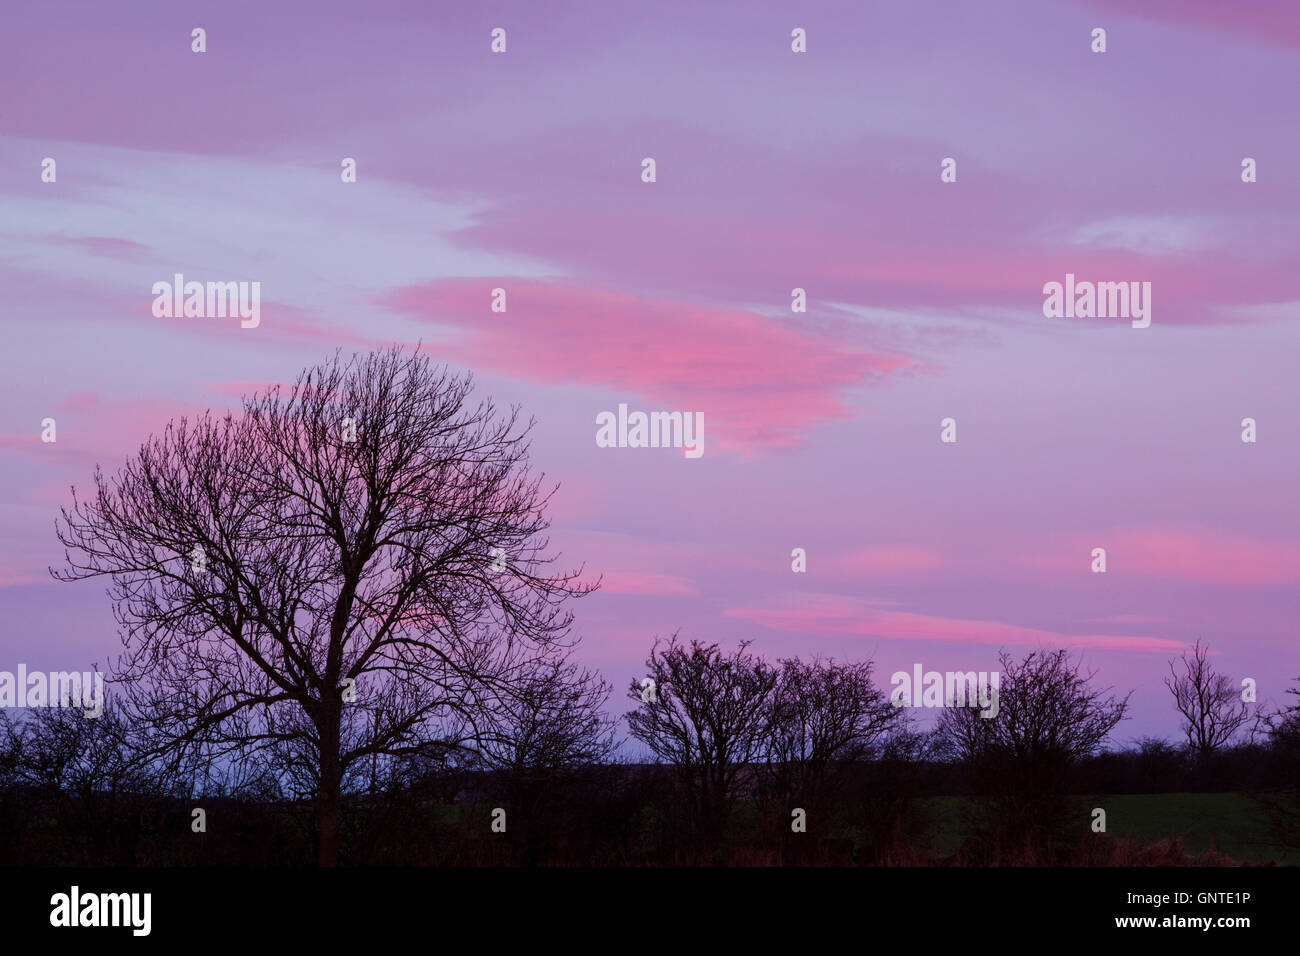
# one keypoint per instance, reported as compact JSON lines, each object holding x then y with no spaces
{"x":774,"y":170}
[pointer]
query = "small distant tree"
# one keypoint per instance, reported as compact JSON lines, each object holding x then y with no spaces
{"x":1210,"y":704}
{"x":1282,"y":803}
{"x":1284,"y":726}
{"x":1161,"y":765}
{"x":707,"y":716}
{"x":549,"y":719}
{"x":83,"y":772}
{"x":1049,"y":719}
{"x":826,"y":716}
{"x":543,"y":734}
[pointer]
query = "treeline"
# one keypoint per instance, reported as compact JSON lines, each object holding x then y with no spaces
{"x":755,"y":763}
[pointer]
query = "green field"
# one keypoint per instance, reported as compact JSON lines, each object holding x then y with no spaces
{"x":1231,"y":823}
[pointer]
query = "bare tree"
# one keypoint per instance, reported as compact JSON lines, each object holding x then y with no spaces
{"x":546,"y":735}
{"x":1282,"y":805}
{"x":1046,"y":709}
{"x":353,"y":568}
{"x":825,"y":717}
{"x":87,"y":774}
{"x":1212,"y":709}
{"x":705,"y":713}
{"x":549,"y":720}
{"x":1049,"y":718}
{"x":1284,"y":726}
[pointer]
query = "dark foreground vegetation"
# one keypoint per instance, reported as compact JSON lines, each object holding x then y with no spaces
{"x":66,"y":802}
{"x":619,"y":823}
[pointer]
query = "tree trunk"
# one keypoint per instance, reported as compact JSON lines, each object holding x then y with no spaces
{"x":328,"y":798}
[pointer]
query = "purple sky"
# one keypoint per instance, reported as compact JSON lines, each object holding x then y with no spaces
{"x":775,"y":170}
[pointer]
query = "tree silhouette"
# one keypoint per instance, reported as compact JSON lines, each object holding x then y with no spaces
{"x":827,"y":716}
{"x":706,"y":715}
{"x":1283,"y":804}
{"x":540,"y":738}
{"x":353,"y":568}
{"x":1212,"y":709}
{"x":1049,"y":718}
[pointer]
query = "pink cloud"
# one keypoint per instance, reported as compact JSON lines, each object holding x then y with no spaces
{"x":291,"y":323}
{"x":832,"y":614}
{"x":13,"y":581}
{"x":578,"y":500}
{"x":104,"y":432}
{"x":633,"y":565}
{"x":1268,"y":21}
{"x":278,"y":323}
{"x":12,"y":575}
{"x":1181,"y":553}
{"x":886,"y":560}
{"x":1125,"y":619}
{"x":78,"y":402}
{"x":107,"y":247}
{"x":1011,"y":234}
{"x":239,"y":388}
{"x":645,"y":582}
{"x":758,"y":381}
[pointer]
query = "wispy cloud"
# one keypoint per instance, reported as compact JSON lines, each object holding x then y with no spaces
{"x":758,"y":381}
{"x":822,"y":614}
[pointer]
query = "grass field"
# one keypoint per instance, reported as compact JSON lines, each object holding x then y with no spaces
{"x":1231,"y":823}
